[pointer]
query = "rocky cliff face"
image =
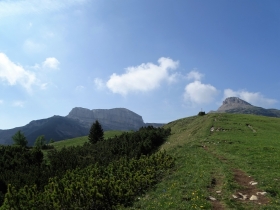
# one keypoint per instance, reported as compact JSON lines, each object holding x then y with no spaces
{"x":237,"y":105}
{"x":76,"y":123}
{"x":232,"y":103}
{"x":110,"y":119}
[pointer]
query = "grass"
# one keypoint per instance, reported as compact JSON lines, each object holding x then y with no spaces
{"x":247,"y":142}
{"x":79,"y":141}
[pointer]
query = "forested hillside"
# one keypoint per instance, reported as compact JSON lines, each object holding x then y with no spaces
{"x":104,"y":175}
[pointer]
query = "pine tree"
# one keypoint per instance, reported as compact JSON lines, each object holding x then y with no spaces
{"x":96,"y":133}
{"x":40,"y":142}
{"x":20,"y":139}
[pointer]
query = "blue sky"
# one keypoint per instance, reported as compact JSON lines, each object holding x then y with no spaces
{"x":162,"y":59}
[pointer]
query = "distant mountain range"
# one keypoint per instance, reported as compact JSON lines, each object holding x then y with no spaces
{"x":77,"y":123}
{"x":237,"y":105}
{"x":79,"y":120}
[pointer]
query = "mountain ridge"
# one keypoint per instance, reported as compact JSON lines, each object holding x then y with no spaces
{"x":77,"y":123}
{"x":237,"y":105}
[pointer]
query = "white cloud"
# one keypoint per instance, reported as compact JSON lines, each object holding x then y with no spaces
{"x":99,"y":84}
{"x":198,"y":93}
{"x":142,"y":78}
{"x":195,"y":75}
{"x":51,"y":63}
{"x":173,"y":78}
{"x":254,"y":98}
{"x":18,"y":103}
{"x":15,"y":74}
{"x":11,"y":8}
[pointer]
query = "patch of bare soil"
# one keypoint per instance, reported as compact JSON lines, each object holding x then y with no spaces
{"x":215,"y":198}
{"x":249,"y":191}
{"x":216,"y":205}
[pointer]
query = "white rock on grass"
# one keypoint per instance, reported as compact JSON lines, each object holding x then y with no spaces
{"x":234,"y":196}
{"x":253,"y":183}
{"x":212,"y":198}
{"x":243,"y":197}
{"x":253,"y":198}
{"x":261,"y":193}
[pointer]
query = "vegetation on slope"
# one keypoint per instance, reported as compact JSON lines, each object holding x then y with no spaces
{"x":79,"y":141}
{"x":220,"y":153}
{"x":83,"y":177}
{"x":216,"y":156}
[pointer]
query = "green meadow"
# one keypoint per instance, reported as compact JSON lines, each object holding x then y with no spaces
{"x":79,"y":141}
{"x":216,"y":156}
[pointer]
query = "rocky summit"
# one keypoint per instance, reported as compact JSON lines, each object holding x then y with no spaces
{"x":233,"y":103}
{"x":239,"y":106}
{"x":76,"y":123}
{"x":110,"y":119}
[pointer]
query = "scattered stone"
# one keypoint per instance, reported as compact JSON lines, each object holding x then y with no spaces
{"x":261,"y":193}
{"x":219,"y":191}
{"x":212,"y":129}
{"x":253,"y":198}
{"x":253,"y":183}
{"x":243,"y":197}
{"x":212,"y":198}
{"x":234,"y":196}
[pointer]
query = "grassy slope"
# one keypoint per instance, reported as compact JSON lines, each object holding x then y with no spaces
{"x":200,"y":159}
{"x":79,"y":141}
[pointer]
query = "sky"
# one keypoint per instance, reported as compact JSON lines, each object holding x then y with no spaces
{"x":161,"y":59}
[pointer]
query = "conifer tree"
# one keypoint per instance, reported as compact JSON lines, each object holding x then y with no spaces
{"x":96,"y":133}
{"x":40,"y":142}
{"x":19,"y":139}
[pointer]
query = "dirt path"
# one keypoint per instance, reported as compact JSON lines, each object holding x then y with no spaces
{"x":249,"y":193}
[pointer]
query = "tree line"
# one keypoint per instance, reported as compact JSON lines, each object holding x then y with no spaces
{"x":101,"y":174}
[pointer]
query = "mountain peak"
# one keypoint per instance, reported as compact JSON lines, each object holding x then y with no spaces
{"x":235,"y":100}
{"x":237,"y":105}
{"x":110,"y":119}
{"x":233,"y":103}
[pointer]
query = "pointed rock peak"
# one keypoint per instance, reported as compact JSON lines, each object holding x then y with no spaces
{"x":79,"y":112}
{"x":233,"y":103}
{"x":235,"y":100}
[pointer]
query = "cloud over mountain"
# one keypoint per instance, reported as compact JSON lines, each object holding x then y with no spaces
{"x":255,"y":98}
{"x":197,"y":92}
